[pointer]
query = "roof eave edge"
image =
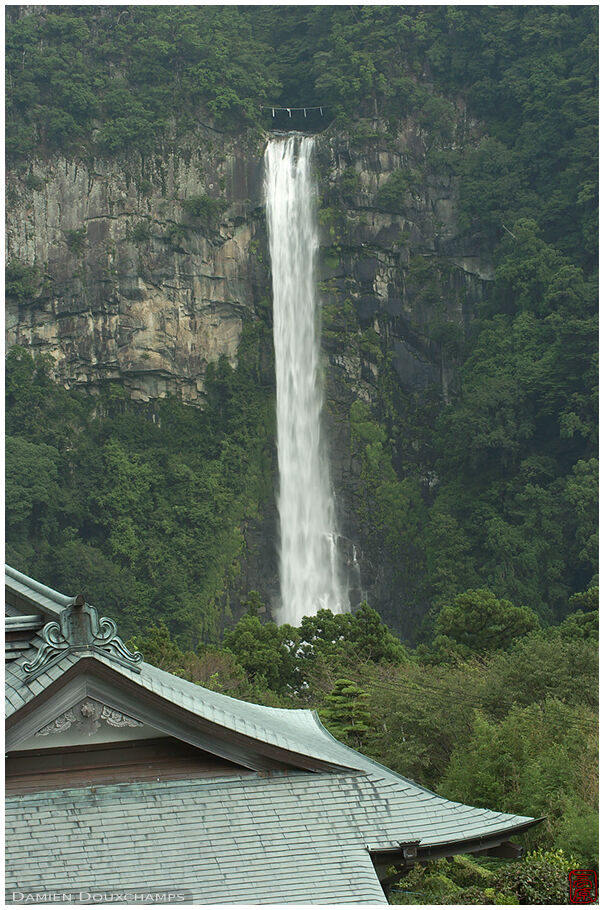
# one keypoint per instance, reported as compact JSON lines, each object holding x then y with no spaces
{"x":443,"y":848}
{"x":46,"y":599}
{"x":105,"y":665}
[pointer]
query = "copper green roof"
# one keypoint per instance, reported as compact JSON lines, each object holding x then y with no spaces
{"x":44,"y":599}
{"x":288,"y":839}
{"x":295,"y":838}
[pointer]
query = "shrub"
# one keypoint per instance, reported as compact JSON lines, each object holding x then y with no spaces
{"x":141,"y":232}
{"x":34,"y":183}
{"x":175,"y":233}
{"x":21,"y":280}
{"x":203,"y":209}
{"x":391,"y":196}
{"x":349,"y":184}
{"x":76,"y":241}
{"x":540,"y":878}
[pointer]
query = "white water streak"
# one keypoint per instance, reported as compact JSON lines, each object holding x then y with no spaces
{"x":308,"y":548}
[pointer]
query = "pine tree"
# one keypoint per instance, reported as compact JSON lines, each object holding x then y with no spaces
{"x":347,"y":715}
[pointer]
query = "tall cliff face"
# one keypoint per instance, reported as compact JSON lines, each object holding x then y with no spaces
{"x":400,"y":287}
{"x":146,"y":269}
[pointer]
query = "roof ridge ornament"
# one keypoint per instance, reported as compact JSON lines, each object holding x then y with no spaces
{"x":80,"y":630}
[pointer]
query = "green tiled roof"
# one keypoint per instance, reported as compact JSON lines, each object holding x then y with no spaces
{"x":45,"y":599}
{"x":297,"y":837}
{"x":288,"y":839}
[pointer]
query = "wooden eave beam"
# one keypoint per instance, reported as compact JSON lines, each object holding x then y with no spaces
{"x":496,"y":844}
{"x":506,"y":850}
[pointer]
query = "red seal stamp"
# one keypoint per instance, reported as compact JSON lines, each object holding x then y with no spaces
{"x":583,"y":886}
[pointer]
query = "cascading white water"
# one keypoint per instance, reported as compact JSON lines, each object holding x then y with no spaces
{"x":308,"y":548}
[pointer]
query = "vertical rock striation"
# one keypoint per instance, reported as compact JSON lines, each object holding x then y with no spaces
{"x":143,"y":267}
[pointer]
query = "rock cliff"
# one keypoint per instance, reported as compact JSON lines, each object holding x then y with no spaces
{"x":399,"y":286}
{"x":144,"y":267}
{"x":144,"y":270}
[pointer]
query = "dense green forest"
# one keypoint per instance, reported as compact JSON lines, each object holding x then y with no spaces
{"x":140,"y":513}
{"x":515,"y":454}
{"x":492,"y":701}
{"x":93,"y":80}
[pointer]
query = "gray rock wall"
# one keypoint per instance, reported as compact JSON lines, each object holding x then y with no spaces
{"x":133,"y":289}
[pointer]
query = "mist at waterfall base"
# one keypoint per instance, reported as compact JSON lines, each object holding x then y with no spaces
{"x":310,"y":571}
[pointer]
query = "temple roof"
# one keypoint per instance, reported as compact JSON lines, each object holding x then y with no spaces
{"x":308,"y":834}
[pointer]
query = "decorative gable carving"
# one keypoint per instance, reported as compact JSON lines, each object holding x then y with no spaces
{"x":87,"y":717}
{"x":79,"y":629}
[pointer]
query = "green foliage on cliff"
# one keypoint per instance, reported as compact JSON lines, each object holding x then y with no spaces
{"x":528,"y":73}
{"x":497,"y":488}
{"x":516,"y":452}
{"x":76,"y":241}
{"x":391,"y":508}
{"x":138,"y":508}
{"x":391,"y":194}
{"x":501,"y":492}
{"x":203,"y":210}
{"x":113,"y":78}
{"x":21,"y":280}
{"x":105,"y":79}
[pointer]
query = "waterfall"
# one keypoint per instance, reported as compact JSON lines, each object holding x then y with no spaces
{"x":309,"y":565}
